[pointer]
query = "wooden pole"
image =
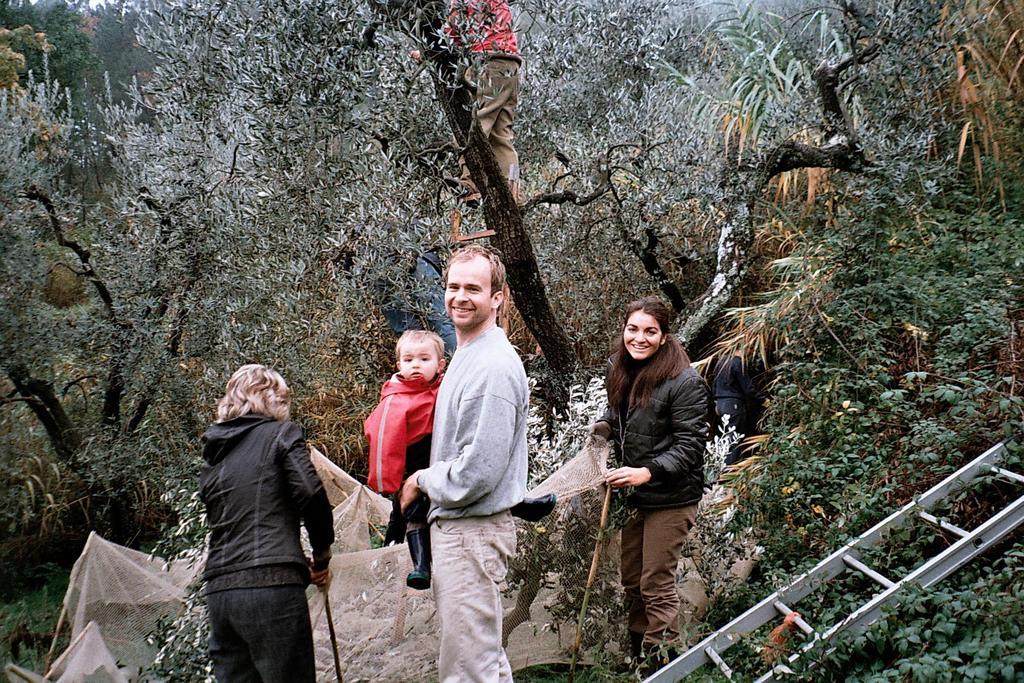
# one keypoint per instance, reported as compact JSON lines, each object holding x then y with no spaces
{"x":56,"y":635}
{"x":590,"y":581}
{"x":376,"y":530}
{"x":334,"y":637}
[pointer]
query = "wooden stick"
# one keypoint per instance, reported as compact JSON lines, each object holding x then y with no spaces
{"x":334,"y":637}
{"x":56,"y":635}
{"x":376,"y":530}
{"x":590,"y":581}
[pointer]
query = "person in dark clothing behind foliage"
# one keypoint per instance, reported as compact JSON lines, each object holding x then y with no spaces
{"x":657,"y":423}
{"x":420,"y":304}
{"x":737,"y":397}
{"x":257,"y":484}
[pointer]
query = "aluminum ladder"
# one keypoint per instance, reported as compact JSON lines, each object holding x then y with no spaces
{"x":779,"y":604}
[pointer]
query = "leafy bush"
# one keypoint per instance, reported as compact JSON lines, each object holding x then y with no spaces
{"x":967,"y":628}
{"x":895,"y":364}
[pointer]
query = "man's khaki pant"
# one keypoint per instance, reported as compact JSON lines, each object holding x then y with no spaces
{"x":497,"y":95}
{"x":470,"y":559}
{"x":651,"y":541}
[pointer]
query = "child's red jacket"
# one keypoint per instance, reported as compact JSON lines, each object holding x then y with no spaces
{"x":483,"y":26}
{"x":404,"y":416}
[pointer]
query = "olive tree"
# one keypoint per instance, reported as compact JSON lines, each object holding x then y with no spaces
{"x":274,"y":174}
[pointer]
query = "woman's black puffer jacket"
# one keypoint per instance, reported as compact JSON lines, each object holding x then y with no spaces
{"x":668,"y":437}
{"x":257,"y":484}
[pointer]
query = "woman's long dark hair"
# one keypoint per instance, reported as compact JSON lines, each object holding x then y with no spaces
{"x":645,"y":376}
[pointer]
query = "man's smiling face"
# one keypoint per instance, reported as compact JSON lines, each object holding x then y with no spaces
{"x":468,"y":298}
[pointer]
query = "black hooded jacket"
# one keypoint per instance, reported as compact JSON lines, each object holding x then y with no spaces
{"x":732,"y":380}
{"x":668,"y":437}
{"x":257,"y":484}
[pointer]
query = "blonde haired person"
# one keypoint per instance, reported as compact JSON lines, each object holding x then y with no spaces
{"x":257,"y":483}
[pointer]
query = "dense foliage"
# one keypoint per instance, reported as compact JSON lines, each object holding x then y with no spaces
{"x":895,"y":367}
{"x":187,"y":187}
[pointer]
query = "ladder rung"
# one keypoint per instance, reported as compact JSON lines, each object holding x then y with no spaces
{"x":786,"y":611}
{"x":935,"y":569}
{"x":1006,"y":474}
{"x":777,"y":669}
{"x":717,"y":659}
{"x":867,"y":571}
{"x":942,"y":524}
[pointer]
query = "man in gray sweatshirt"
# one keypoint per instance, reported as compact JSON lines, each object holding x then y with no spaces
{"x":478,"y":471}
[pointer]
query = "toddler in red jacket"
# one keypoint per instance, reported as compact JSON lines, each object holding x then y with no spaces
{"x":399,"y":431}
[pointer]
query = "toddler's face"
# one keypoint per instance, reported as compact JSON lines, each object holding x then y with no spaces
{"x":419,"y":360}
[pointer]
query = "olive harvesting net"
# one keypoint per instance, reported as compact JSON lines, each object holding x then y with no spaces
{"x":118,"y":598}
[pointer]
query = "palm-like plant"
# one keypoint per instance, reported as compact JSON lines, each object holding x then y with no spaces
{"x":766,"y":73}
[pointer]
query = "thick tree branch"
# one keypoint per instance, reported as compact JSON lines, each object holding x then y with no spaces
{"x":19,"y":399}
{"x":501,"y":213}
{"x":84,"y":256}
{"x":566,"y":197}
{"x":605,"y":170}
{"x":791,"y":155}
{"x":735,"y":238}
{"x":115,"y":382}
{"x":647,"y":251}
{"x":42,"y":400}
{"x":840,"y":150}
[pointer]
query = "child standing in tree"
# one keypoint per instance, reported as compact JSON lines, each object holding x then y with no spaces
{"x":399,"y":430}
{"x":484,"y":29}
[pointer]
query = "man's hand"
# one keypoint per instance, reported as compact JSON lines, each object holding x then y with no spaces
{"x":410,"y":490}
{"x":601,"y":429}
{"x":627,"y":476}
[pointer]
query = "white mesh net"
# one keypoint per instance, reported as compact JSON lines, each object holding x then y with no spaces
{"x":340,"y":486}
{"x":384,"y":630}
{"x":127,"y":594}
{"x":88,"y":659}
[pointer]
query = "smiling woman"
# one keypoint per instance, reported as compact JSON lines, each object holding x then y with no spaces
{"x":657,"y":422}
{"x":642,"y":335}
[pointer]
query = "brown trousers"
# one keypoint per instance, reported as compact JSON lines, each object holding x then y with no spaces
{"x":497,"y":95}
{"x":651,"y":541}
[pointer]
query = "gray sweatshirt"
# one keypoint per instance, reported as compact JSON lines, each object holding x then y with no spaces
{"x":478,"y":461}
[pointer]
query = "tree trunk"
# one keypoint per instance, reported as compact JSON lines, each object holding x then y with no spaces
{"x":503,"y":215}
{"x":47,"y":407}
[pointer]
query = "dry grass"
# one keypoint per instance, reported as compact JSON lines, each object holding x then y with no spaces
{"x":989,"y":83}
{"x":339,"y":415}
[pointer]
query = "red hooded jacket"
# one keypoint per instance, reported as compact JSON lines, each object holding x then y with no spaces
{"x":482,"y":26}
{"x":404,"y":416}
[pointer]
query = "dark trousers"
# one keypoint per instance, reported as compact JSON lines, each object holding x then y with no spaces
{"x":736,"y":409}
{"x":261,"y":635}
{"x":399,"y":521}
